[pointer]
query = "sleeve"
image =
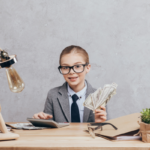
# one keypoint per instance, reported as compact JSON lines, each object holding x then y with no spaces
{"x":48,"y":108}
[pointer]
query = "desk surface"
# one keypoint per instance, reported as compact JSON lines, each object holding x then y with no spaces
{"x":71,"y":137}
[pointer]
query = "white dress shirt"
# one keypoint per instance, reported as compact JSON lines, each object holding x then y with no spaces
{"x":82,"y":95}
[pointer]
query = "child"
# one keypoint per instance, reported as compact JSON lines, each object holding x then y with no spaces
{"x":65,"y":103}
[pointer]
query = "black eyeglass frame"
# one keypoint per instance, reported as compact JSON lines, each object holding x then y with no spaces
{"x":99,"y":125}
{"x":72,"y":67}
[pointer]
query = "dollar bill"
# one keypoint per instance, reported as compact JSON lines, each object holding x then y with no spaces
{"x":100,"y":97}
{"x":88,"y":103}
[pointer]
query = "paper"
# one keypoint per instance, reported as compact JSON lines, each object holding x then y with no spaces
{"x":100,"y":97}
{"x":126,"y":138}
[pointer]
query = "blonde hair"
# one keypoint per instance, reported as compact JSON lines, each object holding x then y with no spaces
{"x":75,"y":49}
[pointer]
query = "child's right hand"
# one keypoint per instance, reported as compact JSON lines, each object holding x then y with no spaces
{"x":42,"y":115}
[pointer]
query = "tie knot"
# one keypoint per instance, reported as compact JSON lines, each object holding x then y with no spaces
{"x":75,"y":98}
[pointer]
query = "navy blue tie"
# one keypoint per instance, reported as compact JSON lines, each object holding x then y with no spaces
{"x":75,"y":116}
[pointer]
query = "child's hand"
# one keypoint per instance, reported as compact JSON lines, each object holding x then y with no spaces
{"x":100,"y":114}
{"x":42,"y":115}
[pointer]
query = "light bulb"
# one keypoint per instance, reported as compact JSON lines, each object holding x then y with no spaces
{"x":16,"y":84}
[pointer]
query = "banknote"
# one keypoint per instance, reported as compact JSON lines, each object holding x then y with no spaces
{"x":100,"y":97}
{"x":88,"y":103}
{"x":25,"y":126}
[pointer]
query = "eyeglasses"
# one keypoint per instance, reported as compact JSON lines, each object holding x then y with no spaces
{"x":76,"y":68}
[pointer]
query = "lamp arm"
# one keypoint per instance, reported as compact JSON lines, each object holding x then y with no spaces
{"x":2,"y":124}
{"x":3,"y":128}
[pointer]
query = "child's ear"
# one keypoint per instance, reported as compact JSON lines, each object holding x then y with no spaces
{"x":88,"y":68}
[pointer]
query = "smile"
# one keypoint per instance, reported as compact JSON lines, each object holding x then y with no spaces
{"x":72,"y":77}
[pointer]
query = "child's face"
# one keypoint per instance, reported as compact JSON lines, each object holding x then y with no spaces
{"x":72,"y":77}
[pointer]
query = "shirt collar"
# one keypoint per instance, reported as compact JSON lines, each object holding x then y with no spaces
{"x":80,"y":93}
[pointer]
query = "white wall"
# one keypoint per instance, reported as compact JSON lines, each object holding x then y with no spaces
{"x":116,"y":34}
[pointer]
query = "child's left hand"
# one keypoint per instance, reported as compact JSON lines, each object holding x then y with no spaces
{"x":100,"y":114}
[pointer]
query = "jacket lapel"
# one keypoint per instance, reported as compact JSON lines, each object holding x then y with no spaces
{"x":64,"y":101}
{"x":90,"y":90}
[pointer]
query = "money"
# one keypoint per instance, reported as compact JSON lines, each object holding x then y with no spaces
{"x":100,"y":97}
{"x":89,"y":103}
{"x":25,"y":126}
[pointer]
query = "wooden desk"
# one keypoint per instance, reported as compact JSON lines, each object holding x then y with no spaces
{"x":71,"y":137}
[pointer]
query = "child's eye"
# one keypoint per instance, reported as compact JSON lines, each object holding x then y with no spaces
{"x":65,"y":67}
{"x":78,"y":66}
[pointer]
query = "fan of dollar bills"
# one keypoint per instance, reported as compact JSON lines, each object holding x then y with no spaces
{"x":100,"y":97}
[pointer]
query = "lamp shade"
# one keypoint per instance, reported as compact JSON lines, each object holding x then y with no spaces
{"x":15,"y":82}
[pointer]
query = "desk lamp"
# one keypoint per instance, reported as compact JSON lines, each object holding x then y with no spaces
{"x":16,"y":85}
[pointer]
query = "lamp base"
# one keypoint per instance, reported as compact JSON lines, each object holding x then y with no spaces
{"x":8,"y":136}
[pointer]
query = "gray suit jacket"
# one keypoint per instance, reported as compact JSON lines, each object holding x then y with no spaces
{"x":57,"y":104}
